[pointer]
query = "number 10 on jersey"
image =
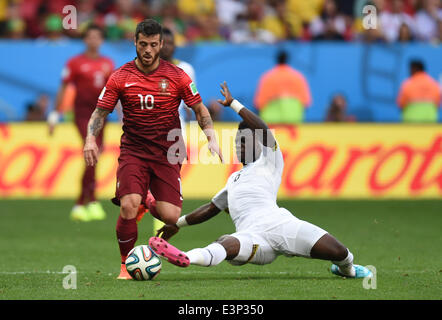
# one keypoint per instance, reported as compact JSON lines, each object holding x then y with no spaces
{"x":146,"y":101}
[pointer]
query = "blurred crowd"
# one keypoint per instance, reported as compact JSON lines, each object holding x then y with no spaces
{"x":237,"y":21}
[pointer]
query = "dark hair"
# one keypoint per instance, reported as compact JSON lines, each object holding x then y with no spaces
{"x":282,"y":57}
{"x":167,"y":32}
{"x":149,"y":27}
{"x":93,"y":26}
{"x":417,"y":65}
{"x":243,"y":125}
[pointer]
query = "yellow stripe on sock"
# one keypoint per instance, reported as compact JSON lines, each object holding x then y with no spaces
{"x":157,"y":224}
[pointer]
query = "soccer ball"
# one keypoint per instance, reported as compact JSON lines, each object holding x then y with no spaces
{"x":142,"y":263}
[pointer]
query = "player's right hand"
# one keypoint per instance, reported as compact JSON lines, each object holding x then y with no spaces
{"x":214,"y":148}
{"x":90,"y":152}
{"x":167,"y":231}
{"x":53,"y":119}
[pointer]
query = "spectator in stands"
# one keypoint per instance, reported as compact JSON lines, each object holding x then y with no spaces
{"x":196,"y":8}
{"x":405,"y":34}
{"x":281,"y":22}
{"x":228,"y":12}
{"x":253,"y":26}
{"x":122,"y":19}
{"x":427,"y":20}
{"x":337,"y":111}
{"x":206,"y":28}
{"x":169,"y":17}
{"x":282,"y":94}
{"x":16,"y":28}
{"x":239,"y":21}
{"x":392,"y":20}
{"x":419,"y":96}
{"x":37,"y":110}
{"x":330,"y":25}
{"x":306,"y":11}
{"x":439,"y":39}
{"x":86,"y":14}
{"x":53,"y":27}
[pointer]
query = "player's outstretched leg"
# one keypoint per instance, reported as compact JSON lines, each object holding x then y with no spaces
{"x":329,"y":248}
{"x":168,"y":251}
{"x":226,"y":247}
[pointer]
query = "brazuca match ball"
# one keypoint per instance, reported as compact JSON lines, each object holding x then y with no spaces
{"x":142,"y":263}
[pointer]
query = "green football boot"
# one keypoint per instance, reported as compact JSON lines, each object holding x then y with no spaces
{"x":96,"y":211}
{"x":79,"y":213}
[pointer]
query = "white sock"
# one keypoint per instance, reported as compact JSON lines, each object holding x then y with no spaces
{"x":211,"y":255}
{"x":346,"y":265}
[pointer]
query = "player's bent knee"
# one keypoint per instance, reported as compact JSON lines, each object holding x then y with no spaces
{"x":129,"y":206}
{"x":231,"y":244}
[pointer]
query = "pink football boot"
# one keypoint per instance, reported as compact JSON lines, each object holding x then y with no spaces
{"x":168,"y":251}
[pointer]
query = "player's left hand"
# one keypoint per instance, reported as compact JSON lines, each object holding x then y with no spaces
{"x":167,"y":231}
{"x":228,"y":99}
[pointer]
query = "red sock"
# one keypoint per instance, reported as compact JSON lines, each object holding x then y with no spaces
{"x":127,"y":233}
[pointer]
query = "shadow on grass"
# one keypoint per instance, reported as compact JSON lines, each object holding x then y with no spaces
{"x":243,"y":277}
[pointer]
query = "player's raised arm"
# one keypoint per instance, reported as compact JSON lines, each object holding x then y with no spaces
{"x":199,"y":215}
{"x":206,"y":124}
{"x":251,"y":119}
{"x":94,"y":127}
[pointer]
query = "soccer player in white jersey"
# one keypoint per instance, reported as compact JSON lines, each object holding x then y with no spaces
{"x":167,"y":53}
{"x":263,"y":230}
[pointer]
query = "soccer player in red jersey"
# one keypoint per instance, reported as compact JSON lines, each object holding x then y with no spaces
{"x":88,"y":72}
{"x":150,"y":90}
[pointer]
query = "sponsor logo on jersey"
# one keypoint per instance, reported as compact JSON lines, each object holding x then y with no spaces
{"x":193,"y":88}
{"x":129,"y":84}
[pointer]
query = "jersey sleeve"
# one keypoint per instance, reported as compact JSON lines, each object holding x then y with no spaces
{"x":220,"y":199}
{"x":188,"y":91}
{"x":109,"y":95}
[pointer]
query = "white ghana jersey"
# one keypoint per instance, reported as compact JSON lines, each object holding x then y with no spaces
{"x":187,"y":68}
{"x":250,"y":193}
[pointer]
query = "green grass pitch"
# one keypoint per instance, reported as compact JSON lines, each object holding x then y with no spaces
{"x":402,"y":239}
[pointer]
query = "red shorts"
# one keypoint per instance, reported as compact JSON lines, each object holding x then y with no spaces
{"x":135,"y":175}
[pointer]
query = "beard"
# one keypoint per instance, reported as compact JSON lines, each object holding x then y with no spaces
{"x":147,"y":65}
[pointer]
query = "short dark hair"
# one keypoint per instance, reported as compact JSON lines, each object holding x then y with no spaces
{"x":149,"y":27}
{"x":417,"y":65}
{"x":282,"y":57}
{"x":167,"y":32}
{"x":243,"y":125}
{"x":91,"y":27}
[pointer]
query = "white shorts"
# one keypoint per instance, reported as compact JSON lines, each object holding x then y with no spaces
{"x":295,"y":237}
